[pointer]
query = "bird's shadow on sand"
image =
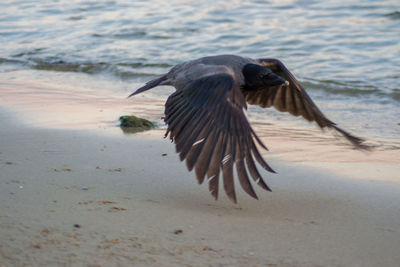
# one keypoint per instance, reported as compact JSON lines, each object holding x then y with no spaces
{"x":280,"y":204}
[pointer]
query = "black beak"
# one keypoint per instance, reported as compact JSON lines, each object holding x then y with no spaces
{"x":273,"y":79}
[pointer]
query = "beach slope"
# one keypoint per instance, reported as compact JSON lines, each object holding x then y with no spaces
{"x":81,"y":198}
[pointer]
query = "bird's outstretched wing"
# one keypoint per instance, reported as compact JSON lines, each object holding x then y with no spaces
{"x":207,"y":123}
{"x":292,"y":98}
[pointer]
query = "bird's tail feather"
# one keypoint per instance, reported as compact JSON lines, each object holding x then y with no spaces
{"x":149,"y":85}
{"x":356,"y":141}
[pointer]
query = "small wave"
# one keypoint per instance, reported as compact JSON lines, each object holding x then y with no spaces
{"x":29,"y":53}
{"x":141,"y":65}
{"x":117,"y":70}
{"x":10,"y":61}
{"x":124,"y":71}
{"x":393,"y":15}
{"x":351,"y":89}
{"x":123,"y":35}
{"x":76,"y":18}
{"x":396,"y":95}
{"x":132,"y":35}
{"x":56,"y":64}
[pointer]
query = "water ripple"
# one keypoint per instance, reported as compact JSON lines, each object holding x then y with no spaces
{"x":341,"y":49}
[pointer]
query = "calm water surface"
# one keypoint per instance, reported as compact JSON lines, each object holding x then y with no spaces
{"x":346,"y":53}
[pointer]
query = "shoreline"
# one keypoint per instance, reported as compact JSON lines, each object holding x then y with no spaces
{"x":45,"y":105}
{"x":93,"y":197}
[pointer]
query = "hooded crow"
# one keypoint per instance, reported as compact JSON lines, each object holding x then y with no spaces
{"x":206,"y":119}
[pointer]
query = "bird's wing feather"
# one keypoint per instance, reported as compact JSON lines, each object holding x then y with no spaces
{"x":292,"y":98}
{"x":207,"y":123}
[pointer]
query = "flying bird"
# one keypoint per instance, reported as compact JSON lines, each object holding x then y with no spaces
{"x":207,"y":123}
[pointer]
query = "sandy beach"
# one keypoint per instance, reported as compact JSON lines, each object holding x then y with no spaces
{"x":91,"y":196}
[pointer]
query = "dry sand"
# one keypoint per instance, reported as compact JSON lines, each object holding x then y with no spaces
{"x":89,"y":198}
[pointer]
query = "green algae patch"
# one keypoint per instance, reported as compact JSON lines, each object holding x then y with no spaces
{"x":133,"y":124}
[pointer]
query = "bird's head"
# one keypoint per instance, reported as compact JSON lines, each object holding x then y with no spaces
{"x":257,"y":76}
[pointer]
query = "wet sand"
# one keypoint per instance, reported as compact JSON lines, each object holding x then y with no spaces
{"x":97,"y":197}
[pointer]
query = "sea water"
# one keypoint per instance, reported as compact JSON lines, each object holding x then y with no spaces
{"x":345,"y":53}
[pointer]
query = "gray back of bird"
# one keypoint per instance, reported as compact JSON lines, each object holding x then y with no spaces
{"x":188,"y":71}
